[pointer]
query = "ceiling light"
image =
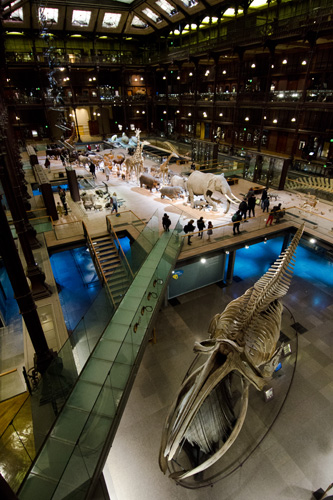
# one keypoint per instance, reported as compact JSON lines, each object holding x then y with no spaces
{"x":272,"y":66}
{"x":221,"y":114}
{"x":190,"y":74}
{"x":189,"y":114}
{"x":247,"y":118}
{"x":224,"y":72}
{"x":203,"y":260}
{"x":164,"y":112}
{"x":164,"y":77}
{"x":265,"y":117}
{"x":303,"y":63}
{"x":253,"y":65}
{"x":312,"y":240}
{"x":284,"y":61}
{"x":293,"y":119}
{"x":275,"y":120}
{"x":178,"y":77}
{"x":143,"y":112}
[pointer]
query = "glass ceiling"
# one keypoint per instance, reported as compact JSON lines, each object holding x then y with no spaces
{"x":167,"y":7}
{"x":152,"y":15}
{"x":138,"y":23}
{"x":111,"y":20}
{"x":81,"y":18}
{"x":50,"y":15}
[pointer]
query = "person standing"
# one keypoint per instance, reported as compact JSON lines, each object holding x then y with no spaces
{"x":201,"y":225}
{"x":189,"y":228}
{"x":107,"y":172}
{"x":166,"y":222}
{"x":251,"y":203}
{"x":271,"y":217}
{"x":210,"y":230}
{"x":264,"y":197}
{"x":92,"y":169}
{"x":243,"y":208}
{"x":236,"y":219}
{"x":265,"y":204}
{"x":47,"y":163}
{"x":114,"y":203}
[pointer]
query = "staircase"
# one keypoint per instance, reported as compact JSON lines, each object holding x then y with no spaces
{"x":111,"y":266}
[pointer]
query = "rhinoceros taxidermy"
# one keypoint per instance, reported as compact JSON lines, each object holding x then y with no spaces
{"x":243,"y":341}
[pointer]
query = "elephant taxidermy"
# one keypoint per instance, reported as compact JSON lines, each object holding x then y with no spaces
{"x":205,"y":419}
{"x":212,"y":187}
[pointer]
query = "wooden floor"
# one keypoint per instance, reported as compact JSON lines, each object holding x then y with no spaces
{"x":9,"y":408}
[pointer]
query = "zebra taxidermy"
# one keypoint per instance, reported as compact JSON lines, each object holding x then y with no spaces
{"x":243,"y":342}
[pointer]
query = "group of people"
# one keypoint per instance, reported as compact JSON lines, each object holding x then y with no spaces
{"x":248,"y":205}
{"x":189,"y":228}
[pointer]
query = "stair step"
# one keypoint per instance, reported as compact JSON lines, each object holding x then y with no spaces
{"x":102,"y":239}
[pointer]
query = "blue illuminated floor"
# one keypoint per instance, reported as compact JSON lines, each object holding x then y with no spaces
{"x":76,"y":276}
{"x":256,"y":260}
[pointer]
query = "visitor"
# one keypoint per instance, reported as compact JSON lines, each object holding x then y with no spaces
{"x":92,"y":169}
{"x":271,"y":217}
{"x":166,"y":222}
{"x":251,"y":203}
{"x":201,"y":225}
{"x":114,"y":203}
{"x":47,"y":163}
{"x":210,"y":230}
{"x":236,"y":219}
{"x":264,"y":197}
{"x":189,"y":228}
{"x":279,"y":213}
{"x":243,"y":208}
{"x":265,"y":204}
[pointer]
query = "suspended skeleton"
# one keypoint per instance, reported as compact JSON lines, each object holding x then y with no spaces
{"x":243,"y":339}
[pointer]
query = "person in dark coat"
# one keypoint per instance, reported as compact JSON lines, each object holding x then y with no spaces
{"x":236,"y":219}
{"x":189,"y":228}
{"x":166,"y":222}
{"x":243,"y":208}
{"x":264,"y":196}
{"x":265,"y":204}
{"x":92,"y":169}
{"x":201,"y":225}
{"x":251,"y":203}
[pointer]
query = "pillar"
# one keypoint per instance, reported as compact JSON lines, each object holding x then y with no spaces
{"x":73,"y":185}
{"x":231,"y":265}
{"x":23,"y":294}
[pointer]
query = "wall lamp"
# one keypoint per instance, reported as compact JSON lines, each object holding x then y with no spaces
{"x":158,"y":281}
{"x":152,"y":295}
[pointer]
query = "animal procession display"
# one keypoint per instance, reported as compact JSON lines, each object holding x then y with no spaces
{"x":206,"y":416}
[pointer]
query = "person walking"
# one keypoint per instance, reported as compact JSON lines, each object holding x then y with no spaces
{"x":114,"y":203}
{"x":251,"y":203}
{"x":166,"y":222}
{"x":189,"y":228}
{"x":243,"y":208}
{"x":210,"y":230}
{"x":201,"y":225}
{"x":236,"y":219}
{"x":265,"y":204}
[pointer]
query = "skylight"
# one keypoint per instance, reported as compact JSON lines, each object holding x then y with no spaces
{"x":167,"y":7}
{"x":138,"y":23}
{"x":81,"y":18}
{"x":48,"y":15}
{"x":111,"y":20}
{"x":152,"y":15}
{"x":189,"y":3}
{"x":16,"y":16}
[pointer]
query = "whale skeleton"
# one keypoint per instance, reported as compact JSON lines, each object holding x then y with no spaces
{"x":243,"y":341}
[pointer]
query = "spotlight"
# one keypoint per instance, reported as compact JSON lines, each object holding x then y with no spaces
{"x":313,"y":240}
{"x":203,"y":260}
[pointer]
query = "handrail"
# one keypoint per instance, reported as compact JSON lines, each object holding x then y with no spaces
{"x":121,"y":249}
{"x":91,"y":246}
